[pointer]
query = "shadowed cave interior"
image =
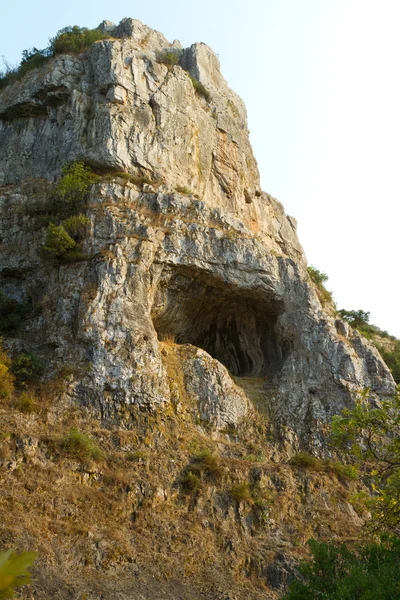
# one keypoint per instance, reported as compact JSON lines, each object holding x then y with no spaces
{"x":235,"y":326}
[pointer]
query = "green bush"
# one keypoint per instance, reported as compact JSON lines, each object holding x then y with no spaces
{"x":206,"y":462}
{"x":70,"y":192}
{"x":305,"y":461}
{"x":57,"y":243}
{"x":77,"y":227}
{"x":168,"y":56}
{"x":70,"y":40}
{"x":200,"y":89}
{"x":336,"y":573}
{"x":191,"y":483}
{"x":27,"y":368}
{"x":80,"y":446}
{"x":241,"y":492}
{"x":74,"y":40}
{"x":392,"y":359}
{"x":359,"y":319}
{"x":14,"y":571}
{"x":320,"y":279}
{"x":26,"y":403}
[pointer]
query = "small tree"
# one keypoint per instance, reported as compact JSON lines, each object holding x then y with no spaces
{"x":57,"y":243}
{"x":371,"y":434}
{"x":71,"y":190}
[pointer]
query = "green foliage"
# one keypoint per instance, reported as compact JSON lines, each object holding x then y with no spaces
{"x":241,"y":492}
{"x":14,"y":571}
{"x":191,"y":483}
{"x":74,"y":40}
{"x":390,"y":352}
{"x":391,"y":356}
{"x":356,"y":318}
{"x":371,"y":434}
{"x":6,"y":377}
{"x":303,"y":460}
{"x":206,"y":462}
{"x":200,"y":89}
{"x":80,"y":446}
{"x":57,"y":243}
{"x":168,"y":56}
{"x":320,"y":278}
{"x":63,"y":238}
{"x":70,"y":40}
{"x":31,"y":59}
{"x":26,"y":403}
{"x":27,"y":368}
{"x":336,"y":573}
{"x":12,"y":314}
{"x":77,"y":227}
{"x":70,"y":192}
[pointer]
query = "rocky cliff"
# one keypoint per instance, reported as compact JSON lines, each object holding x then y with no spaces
{"x":193,"y":306}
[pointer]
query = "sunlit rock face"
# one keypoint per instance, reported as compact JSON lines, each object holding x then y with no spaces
{"x":199,"y":256}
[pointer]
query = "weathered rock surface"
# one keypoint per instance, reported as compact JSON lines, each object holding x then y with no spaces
{"x":219,"y":267}
{"x":195,"y":290}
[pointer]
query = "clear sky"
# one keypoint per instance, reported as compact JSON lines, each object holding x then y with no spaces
{"x":321,"y":85}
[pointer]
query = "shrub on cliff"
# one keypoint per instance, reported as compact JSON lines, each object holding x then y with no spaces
{"x":320,"y":278}
{"x":27,"y":368}
{"x":200,"y":89}
{"x":69,"y":40}
{"x":74,"y":40}
{"x":169,"y":56}
{"x":70,"y":192}
{"x":77,"y":227}
{"x":81,"y":447}
{"x":57,"y":243}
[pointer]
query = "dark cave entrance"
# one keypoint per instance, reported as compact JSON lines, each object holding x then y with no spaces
{"x":235,"y":326}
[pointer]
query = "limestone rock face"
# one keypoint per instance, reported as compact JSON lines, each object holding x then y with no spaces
{"x":200,"y":256}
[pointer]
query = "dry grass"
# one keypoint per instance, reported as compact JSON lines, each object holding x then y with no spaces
{"x":164,"y":494}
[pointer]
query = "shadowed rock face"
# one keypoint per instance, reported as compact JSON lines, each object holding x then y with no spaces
{"x":234,"y":326}
{"x":202,"y":255}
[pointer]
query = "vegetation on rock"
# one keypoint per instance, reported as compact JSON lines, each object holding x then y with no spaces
{"x":69,"y":40}
{"x":169,"y":56}
{"x":388,"y":345}
{"x":64,"y":238}
{"x":27,"y":368}
{"x":80,"y":446}
{"x":200,"y":89}
{"x":320,"y":278}
{"x":371,"y":436}
{"x":337,"y":573}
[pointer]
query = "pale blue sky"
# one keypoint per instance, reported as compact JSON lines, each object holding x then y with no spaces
{"x":320,"y":82}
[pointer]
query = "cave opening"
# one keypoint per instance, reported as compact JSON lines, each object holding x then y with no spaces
{"x":235,"y":326}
